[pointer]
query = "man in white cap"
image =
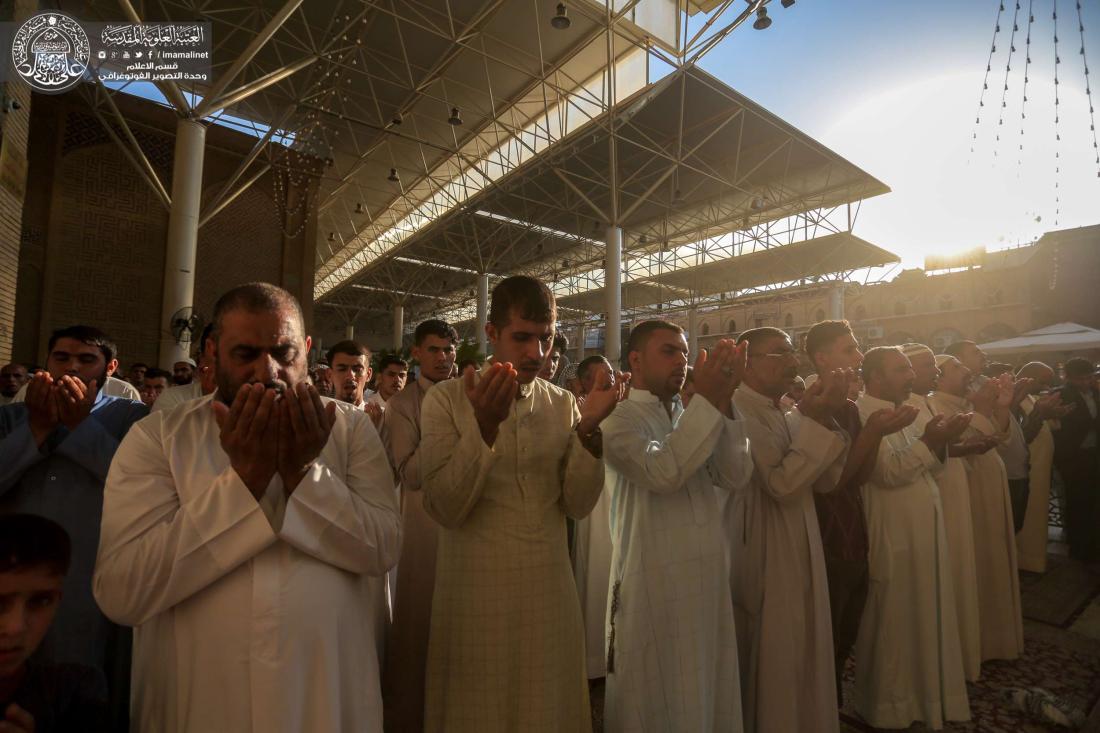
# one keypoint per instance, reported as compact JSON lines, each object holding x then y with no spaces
{"x":183,"y":371}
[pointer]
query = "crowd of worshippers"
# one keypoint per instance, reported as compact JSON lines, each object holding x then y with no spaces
{"x":248,"y":543}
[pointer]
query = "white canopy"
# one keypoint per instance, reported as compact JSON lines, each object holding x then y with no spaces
{"x":1058,"y":337}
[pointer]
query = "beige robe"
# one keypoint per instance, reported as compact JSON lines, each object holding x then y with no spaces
{"x":592,"y":569}
{"x":407,"y":642}
{"x":248,"y":616}
{"x":777,"y":570}
{"x":954,"y":486}
{"x":1002,"y":625}
{"x":908,"y":661}
{"x":1031,"y":541}
{"x":506,"y":651}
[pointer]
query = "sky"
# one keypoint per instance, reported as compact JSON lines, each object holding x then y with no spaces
{"x":893,"y":86}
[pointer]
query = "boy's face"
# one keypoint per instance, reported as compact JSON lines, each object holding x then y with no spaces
{"x":28,"y":602}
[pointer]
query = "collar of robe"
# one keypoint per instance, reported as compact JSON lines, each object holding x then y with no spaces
{"x":957,"y":404}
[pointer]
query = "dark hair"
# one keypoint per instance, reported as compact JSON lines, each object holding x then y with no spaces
{"x":532,"y":300}
{"x":561,"y":343}
{"x":254,"y":298}
{"x":584,"y":366}
{"x":30,"y":541}
{"x":155,"y":373}
{"x":956,"y":349}
{"x":822,"y":334}
{"x":89,"y":335}
{"x":875,"y":360}
{"x":392,"y":359}
{"x":1079,"y":366}
{"x":639,"y":335}
{"x":434,"y":327}
{"x":138,"y":364}
{"x":349,"y":347}
{"x":759,"y":334}
{"x":467,"y":362}
{"x":207,"y":333}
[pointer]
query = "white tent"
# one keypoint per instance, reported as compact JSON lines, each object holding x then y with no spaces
{"x":1058,"y":337}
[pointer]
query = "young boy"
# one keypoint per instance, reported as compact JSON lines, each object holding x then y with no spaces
{"x":38,"y":698}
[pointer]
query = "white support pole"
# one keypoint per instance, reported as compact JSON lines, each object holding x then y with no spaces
{"x":398,"y":326}
{"x":183,"y":234}
{"x":580,"y":343}
{"x":482,"y":312}
{"x":349,"y":332}
{"x":613,"y":285}
{"x":693,"y":333}
{"x":836,"y":303}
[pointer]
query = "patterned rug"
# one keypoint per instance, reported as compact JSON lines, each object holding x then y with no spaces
{"x":1055,"y":658}
{"x":1060,"y":594}
{"x":1060,"y":665}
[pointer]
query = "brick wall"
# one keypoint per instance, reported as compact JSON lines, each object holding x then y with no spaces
{"x":94,"y":232}
{"x":14,"y":127}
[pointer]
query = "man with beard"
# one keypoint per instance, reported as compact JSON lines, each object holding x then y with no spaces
{"x":435,"y":345}
{"x":183,"y":371}
{"x":505,"y":458}
{"x":831,"y":345}
{"x":908,"y":662}
{"x":12,"y":377}
{"x":777,"y":564}
{"x":204,"y":385}
{"x":671,"y":637}
{"x":351,"y":371}
{"x":998,"y":585}
{"x":136,"y":374}
{"x":55,"y":451}
{"x":239,"y":534}
{"x":955,"y":498}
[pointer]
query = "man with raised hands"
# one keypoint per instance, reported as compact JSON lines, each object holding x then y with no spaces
{"x":241,"y":533}
{"x":909,"y":663}
{"x":505,"y":457}
{"x":672,"y":646}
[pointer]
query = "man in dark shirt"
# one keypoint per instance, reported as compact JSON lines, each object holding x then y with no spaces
{"x":55,"y":450}
{"x":35,"y":697}
{"x":831,"y":345}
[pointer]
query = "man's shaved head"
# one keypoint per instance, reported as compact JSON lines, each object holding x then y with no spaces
{"x":256,"y":298}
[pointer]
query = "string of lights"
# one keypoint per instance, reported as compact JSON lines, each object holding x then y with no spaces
{"x":1027,"y":77}
{"x":1088,"y":88}
{"x":1008,"y":70}
{"x":988,"y":69}
{"x":1057,"y":122}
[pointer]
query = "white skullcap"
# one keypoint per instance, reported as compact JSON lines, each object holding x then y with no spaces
{"x":190,"y":361}
{"x":942,"y":359}
{"x":914,"y":348}
{"x":810,"y":380}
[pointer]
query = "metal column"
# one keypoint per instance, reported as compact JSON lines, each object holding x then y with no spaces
{"x":482,"y":312}
{"x":836,"y":303}
{"x":580,"y":343}
{"x":613,"y":285}
{"x":349,"y":332}
{"x":183,"y":235}
{"x":398,"y":326}
{"x":693,"y":334}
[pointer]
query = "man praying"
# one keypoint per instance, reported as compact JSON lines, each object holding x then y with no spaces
{"x":242,"y":528}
